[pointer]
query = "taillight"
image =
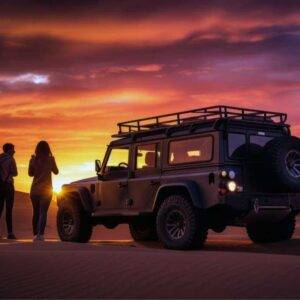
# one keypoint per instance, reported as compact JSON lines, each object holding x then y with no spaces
{"x":227,"y":174}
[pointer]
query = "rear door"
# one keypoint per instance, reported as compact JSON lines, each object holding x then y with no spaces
{"x":244,"y":152}
{"x":145,"y":178}
{"x":193,"y":159}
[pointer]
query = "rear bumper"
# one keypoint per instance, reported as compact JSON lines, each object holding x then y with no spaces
{"x":263,"y":207}
{"x":244,"y":201}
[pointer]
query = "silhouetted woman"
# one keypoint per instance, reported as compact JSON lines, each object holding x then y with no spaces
{"x":41,"y":167}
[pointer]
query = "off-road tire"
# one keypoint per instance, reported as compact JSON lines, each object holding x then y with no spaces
{"x":272,"y":232}
{"x":143,"y":229}
{"x":195,"y":232}
{"x":276,"y":172}
{"x":82,"y":228}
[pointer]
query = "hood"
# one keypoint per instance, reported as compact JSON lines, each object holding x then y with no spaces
{"x":95,"y":178}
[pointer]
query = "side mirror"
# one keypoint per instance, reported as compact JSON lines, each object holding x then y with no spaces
{"x":97,"y":166}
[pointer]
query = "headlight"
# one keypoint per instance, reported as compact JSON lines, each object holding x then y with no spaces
{"x":231,"y":174}
{"x":231,"y":185}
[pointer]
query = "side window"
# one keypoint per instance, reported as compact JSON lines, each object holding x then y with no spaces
{"x":190,"y":150}
{"x":118,"y":160}
{"x":147,"y":157}
{"x":236,"y":145}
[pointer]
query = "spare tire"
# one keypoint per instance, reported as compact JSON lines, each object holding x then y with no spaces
{"x":281,"y":161}
{"x":250,"y":152}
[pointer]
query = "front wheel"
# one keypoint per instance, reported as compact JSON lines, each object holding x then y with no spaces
{"x":272,"y":232}
{"x":73,"y":223}
{"x":180,"y":225}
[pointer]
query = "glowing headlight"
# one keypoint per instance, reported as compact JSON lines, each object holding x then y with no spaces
{"x":231,"y":185}
{"x":231,"y":174}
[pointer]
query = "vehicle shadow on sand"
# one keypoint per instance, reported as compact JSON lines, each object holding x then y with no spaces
{"x":226,"y":244}
{"x":291,"y":247}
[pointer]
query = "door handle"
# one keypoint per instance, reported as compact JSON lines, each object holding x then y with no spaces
{"x":154,"y":182}
{"x":122,"y":185}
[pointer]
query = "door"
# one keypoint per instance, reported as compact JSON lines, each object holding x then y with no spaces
{"x":145,"y":179}
{"x":114,"y":184}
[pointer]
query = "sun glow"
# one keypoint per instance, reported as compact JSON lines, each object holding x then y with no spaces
{"x":57,"y":186}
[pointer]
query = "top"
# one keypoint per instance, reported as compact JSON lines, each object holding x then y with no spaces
{"x":8,"y":168}
{"x":41,"y":170}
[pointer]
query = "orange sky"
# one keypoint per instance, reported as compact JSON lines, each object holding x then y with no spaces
{"x":70,"y":72}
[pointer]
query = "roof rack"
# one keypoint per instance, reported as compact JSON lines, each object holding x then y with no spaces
{"x":199,"y":115}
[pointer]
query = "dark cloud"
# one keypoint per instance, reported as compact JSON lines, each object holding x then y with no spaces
{"x":44,"y":54}
{"x":207,"y":59}
{"x":142,"y":8}
{"x":275,"y":30}
{"x":65,"y":58}
{"x":31,"y":54}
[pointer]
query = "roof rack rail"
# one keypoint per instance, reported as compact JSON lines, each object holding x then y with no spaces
{"x":198,"y":115}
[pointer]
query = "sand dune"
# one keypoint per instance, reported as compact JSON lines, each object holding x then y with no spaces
{"x":113,"y":266}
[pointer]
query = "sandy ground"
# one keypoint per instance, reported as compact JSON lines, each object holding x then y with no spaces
{"x":113,"y":266}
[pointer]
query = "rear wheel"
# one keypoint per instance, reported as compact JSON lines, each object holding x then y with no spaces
{"x":180,"y":225}
{"x":73,"y":223}
{"x":272,"y":232}
{"x":143,"y":229}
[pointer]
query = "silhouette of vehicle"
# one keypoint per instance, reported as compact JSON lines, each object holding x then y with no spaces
{"x":172,"y":177}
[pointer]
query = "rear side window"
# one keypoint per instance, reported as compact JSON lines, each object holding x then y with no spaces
{"x":260,"y":140}
{"x":236,"y":145}
{"x":239,"y":148}
{"x":191,"y":150}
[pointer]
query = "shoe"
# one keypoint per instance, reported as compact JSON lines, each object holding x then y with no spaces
{"x":11,"y":236}
{"x":38,"y":238}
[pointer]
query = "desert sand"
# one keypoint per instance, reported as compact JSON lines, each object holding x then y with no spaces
{"x":113,"y":266}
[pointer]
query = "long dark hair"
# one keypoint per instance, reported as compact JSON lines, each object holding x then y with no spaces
{"x":43,"y":150}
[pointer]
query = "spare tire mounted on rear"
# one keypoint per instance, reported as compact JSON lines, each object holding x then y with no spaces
{"x":281,"y":161}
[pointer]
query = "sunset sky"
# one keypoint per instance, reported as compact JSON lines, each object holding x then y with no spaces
{"x":70,"y":70}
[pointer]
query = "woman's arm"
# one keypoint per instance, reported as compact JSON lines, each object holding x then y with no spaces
{"x":31,"y":167}
{"x":54,"y":166}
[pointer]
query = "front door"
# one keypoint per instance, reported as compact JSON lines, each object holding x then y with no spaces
{"x":114,"y":184}
{"x":144,"y":183}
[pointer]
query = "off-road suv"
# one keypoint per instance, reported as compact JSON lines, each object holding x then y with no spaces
{"x":172,"y":177}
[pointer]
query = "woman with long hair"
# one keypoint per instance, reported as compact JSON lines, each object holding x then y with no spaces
{"x":41,"y":167}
